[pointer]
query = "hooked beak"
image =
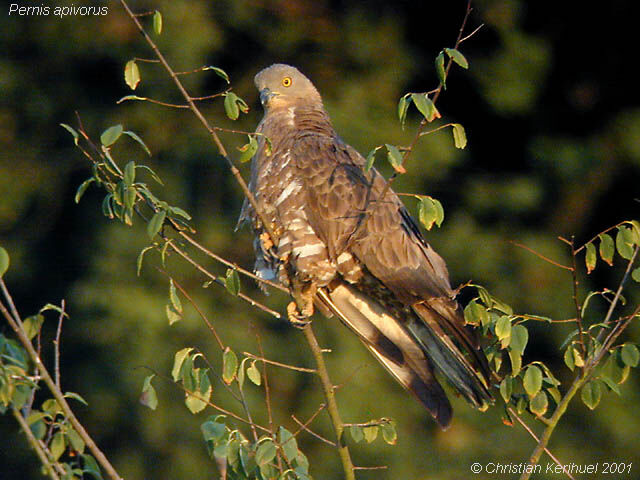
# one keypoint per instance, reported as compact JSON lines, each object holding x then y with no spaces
{"x":266,"y":95}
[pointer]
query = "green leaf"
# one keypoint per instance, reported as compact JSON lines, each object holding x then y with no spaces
{"x":573,"y":358}
{"x":459,"y":136}
{"x":179,"y":212}
{"x":519,"y":338}
{"x":75,"y":440}
{"x":591,"y":394}
{"x":58,"y":446}
{"x":229,"y":365}
{"x":371,"y":157}
{"x":425,"y":106}
{"x":144,"y":146}
{"x":532,"y":380}
{"x":131,"y":76}
{"x":254,"y":374}
{"x":232,"y":282}
{"x":248,"y":150}
{"x":357,"y":433}
{"x":172,"y":314}
{"x":72,"y":131}
{"x":370,"y":433}
{"x":266,"y":452}
{"x":129,"y":173}
{"x":32,"y":325}
{"x":442,"y":75}
{"x":220,"y":72}
{"x":76,"y":397}
{"x":430,"y":211}
{"x":611,"y":384}
{"x":173,"y":296}
{"x":110,"y":135}
{"x":149,"y":397}
{"x":213,"y":431}
{"x":624,"y":242}
{"x":606,"y":248}
{"x":475,"y":314}
{"x":4,"y":261}
{"x":577,"y":357}
{"x":503,"y":327}
{"x":506,"y":388}
{"x":91,"y":467}
{"x":157,"y":22}
{"x":629,"y":355}
{"x":107,"y":209}
{"x":590,"y":257}
{"x":516,"y":361}
{"x":231,"y":105}
{"x":389,"y":433}
{"x":288,"y":443}
{"x":51,"y":406}
{"x":179,"y":358}
{"x":195,"y":403}
{"x":555,"y":394}
{"x":635,"y":231}
{"x":635,"y":274}
{"x":204,"y":384}
{"x":141,"y":258}
{"x":83,"y":188}
{"x":395,"y":158}
{"x":457,"y":57}
{"x":403,"y":106}
{"x":539,"y":404}
{"x":156,"y":222}
{"x":131,"y":97}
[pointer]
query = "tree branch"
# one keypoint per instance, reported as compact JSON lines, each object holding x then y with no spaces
{"x":17,"y":327}
{"x":332,"y":406}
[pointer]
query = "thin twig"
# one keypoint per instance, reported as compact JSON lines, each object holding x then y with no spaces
{"x":151,"y":100}
{"x":200,"y":312}
{"x":56,"y":345}
{"x":311,"y":418}
{"x":219,"y":281}
{"x":194,"y":108}
{"x":232,"y":265}
{"x":278,"y":364}
{"x":617,"y":295}
{"x":535,"y":437}
{"x":578,"y":307}
{"x":539,"y":255}
{"x":311,"y":432}
{"x":267,"y":391}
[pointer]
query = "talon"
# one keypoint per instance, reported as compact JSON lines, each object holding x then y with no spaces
{"x":297,"y":318}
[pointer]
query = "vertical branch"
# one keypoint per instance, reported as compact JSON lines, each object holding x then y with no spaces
{"x":553,"y":423}
{"x":332,"y":406}
{"x":576,"y":283}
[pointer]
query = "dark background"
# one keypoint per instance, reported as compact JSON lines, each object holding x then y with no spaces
{"x":551,"y":112}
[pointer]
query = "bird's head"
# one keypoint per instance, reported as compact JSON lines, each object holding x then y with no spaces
{"x":282,"y":86}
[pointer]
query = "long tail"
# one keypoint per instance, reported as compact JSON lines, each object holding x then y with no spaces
{"x":409,"y":349}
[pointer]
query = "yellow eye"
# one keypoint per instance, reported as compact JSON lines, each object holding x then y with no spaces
{"x":286,"y":82}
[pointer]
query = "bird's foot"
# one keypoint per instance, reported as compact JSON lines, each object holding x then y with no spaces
{"x":296,"y":317}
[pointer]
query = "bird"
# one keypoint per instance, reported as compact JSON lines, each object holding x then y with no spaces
{"x":344,"y":244}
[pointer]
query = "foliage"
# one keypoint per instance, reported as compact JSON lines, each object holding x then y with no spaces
{"x":549,"y":187}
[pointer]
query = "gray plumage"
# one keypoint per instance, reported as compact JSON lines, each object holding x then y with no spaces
{"x":352,"y":254}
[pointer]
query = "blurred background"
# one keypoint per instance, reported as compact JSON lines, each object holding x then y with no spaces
{"x":553,"y":124}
